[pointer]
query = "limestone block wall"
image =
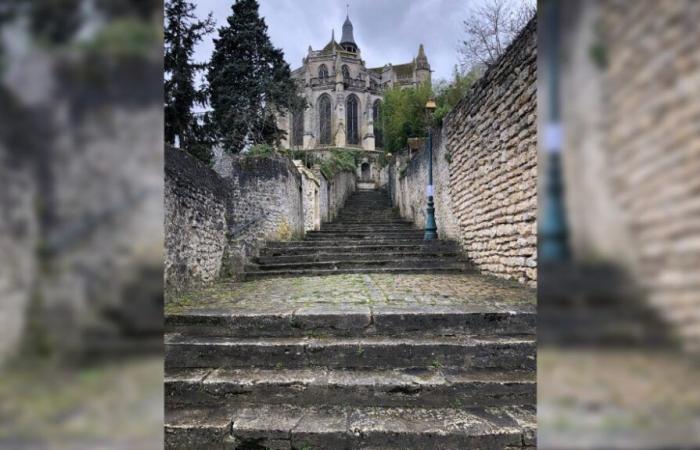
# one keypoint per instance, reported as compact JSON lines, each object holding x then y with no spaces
{"x":407,"y":180}
{"x":491,"y":139}
{"x":214,"y":224}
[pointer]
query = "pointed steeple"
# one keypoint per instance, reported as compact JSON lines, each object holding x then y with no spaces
{"x":421,"y":60}
{"x":347,"y":41}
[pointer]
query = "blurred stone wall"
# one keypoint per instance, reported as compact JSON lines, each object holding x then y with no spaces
{"x":408,"y":178}
{"x":214,"y":224}
{"x":84,"y":211}
{"x":18,"y":242}
{"x":491,"y":137}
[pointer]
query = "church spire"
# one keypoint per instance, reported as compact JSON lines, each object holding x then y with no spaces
{"x":347,"y":41}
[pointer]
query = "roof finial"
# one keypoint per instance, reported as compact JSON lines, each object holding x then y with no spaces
{"x":347,"y":9}
{"x":332,"y":34}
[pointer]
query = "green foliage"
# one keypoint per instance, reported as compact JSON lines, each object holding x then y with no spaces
{"x":249,"y":81}
{"x":448,"y":94}
{"x":262,"y":150}
{"x":403,"y":115}
{"x":125,"y":39}
{"x":339,"y":161}
{"x":599,"y":54}
{"x":182,"y":33}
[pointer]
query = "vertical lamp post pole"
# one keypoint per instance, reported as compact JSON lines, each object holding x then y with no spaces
{"x":430,"y":226}
{"x":553,"y":239}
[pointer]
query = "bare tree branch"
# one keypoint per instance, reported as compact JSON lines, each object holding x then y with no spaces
{"x":489,"y":28}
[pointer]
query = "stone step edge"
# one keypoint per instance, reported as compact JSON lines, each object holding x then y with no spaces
{"x":428,"y":388}
{"x":321,"y":272}
{"x":285,"y":245}
{"x":357,"y":320}
{"x":379,"y":254}
{"x":365,"y":341}
{"x":370,"y":262}
{"x":343,"y":377}
{"x":340,"y":428}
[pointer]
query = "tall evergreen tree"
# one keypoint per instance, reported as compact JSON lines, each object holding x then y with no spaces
{"x":182,"y":32}
{"x":249,"y":81}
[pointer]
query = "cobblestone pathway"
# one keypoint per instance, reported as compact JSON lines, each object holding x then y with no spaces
{"x":466,"y":292}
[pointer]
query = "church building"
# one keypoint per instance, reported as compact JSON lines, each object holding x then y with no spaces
{"x":344,"y":96}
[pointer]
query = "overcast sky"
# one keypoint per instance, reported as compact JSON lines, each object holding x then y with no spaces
{"x":385,"y":30}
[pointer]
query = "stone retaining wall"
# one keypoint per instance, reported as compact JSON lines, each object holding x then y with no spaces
{"x":217,"y":220}
{"x":484,"y":168}
{"x":214,"y":224}
{"x":491,"y":139}
{"x":338,"y":189}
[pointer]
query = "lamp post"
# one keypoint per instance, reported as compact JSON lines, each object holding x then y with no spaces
{"x":553,"y":236}
{"x":430,"y":226}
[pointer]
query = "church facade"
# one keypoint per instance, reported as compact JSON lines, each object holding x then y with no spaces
{"x":344,"y":96}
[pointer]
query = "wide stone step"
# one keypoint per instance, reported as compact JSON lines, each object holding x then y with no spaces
{"x":362,"y":234}
{"x":371,"y":221}
{"x":461,"y":352}
{"x":353,"y":320}
{"x":345,"y":428}
{"x":253,"y":275}
{"x":423,"y":247}
{"x":363,"y":228}
{"x":417,"y":242}
{"x":346,"y":239}
{"x":340,"y":256}
{"x":426,"y":388}
{"x":358,"y":263}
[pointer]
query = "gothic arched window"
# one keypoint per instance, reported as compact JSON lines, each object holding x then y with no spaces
{"x":346,"y":72}
{"x":352,"y":121}
{"x":376,"y":118}
{"x":324,"y":117}
{"x":323,"y":72}
{"x":298,"y":128}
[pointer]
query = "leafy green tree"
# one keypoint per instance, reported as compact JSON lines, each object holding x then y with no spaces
{"x":182,"y":32}
{"x":249,"y":82}
{"x":404,"y":116}
{"x":448,"y":94}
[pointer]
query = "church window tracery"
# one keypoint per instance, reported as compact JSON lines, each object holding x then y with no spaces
{"x":324,"y":116}
{"x":351,"y":119}
{"x":323,"y":72}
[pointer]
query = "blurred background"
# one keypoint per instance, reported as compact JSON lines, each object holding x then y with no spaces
{"x":619,"y":224}
{"x":81,"y":139}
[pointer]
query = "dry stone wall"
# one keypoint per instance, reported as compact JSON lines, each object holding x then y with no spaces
{"x":491,"y":137}
{"x":217,"y":219}
{"x":214,"y":224}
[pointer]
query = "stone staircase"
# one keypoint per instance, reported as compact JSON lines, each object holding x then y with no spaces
{"x":367,"y":237}
{"x":328,"y":369}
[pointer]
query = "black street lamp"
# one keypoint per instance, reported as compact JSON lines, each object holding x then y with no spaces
{"x":430,"y":226}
